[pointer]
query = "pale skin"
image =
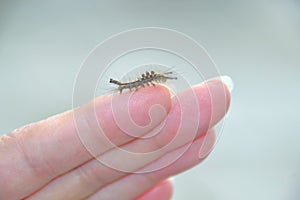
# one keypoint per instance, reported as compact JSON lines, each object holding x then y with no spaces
{"x":48,"y":160}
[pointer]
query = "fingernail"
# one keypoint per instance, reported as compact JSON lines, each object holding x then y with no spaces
{"x":228,"y":82}
{"x":171,"y":179}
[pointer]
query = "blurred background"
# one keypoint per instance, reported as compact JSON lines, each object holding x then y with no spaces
{"x":257,"y":43}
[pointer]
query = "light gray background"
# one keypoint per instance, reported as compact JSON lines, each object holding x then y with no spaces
{"x":257,"y":43}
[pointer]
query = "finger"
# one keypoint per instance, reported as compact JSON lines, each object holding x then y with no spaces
{"x":33,"y":155}
{"x":134,"y":185}
{"x":88,"y":178}
{"x":161,"y":191}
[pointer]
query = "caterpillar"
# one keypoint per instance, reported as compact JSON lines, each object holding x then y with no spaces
{"x":145,"y":79}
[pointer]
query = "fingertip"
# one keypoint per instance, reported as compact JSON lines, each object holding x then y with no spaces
{"x":214,"y":99}
{"x":208,"y":143}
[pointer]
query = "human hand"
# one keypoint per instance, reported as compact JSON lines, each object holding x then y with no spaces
{"x":52,"y":159}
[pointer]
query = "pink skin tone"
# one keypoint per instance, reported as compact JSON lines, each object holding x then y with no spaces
{"x":52,"y":159}
{"x":162,"y":190}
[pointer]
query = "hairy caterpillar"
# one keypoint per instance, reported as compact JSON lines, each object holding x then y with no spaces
{"x":145,"y":79}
